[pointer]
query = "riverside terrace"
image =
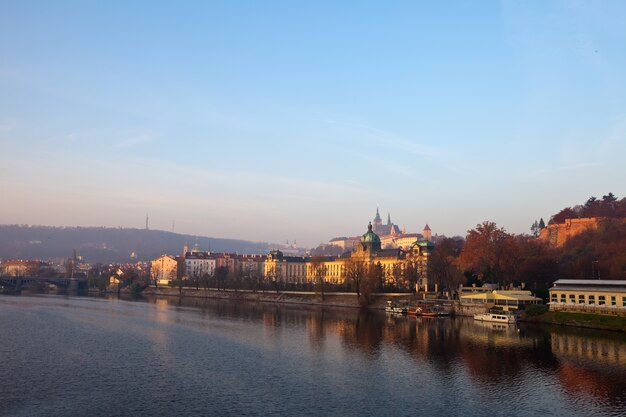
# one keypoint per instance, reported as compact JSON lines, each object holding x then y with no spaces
{"x":589,"y":295}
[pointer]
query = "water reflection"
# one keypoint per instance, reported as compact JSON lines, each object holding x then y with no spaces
{"x":289,"y":357}
{"x":584,"y":361}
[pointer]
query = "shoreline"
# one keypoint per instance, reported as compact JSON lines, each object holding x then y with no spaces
{"x":330,"y":299}
{"x":379,"y":300}
{"x":579,"y":320}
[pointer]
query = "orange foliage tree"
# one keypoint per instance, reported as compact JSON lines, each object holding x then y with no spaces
{"x":490,"y":252}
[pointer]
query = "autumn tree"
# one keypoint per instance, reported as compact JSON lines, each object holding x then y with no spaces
{"x":596,"y":254}
{"x":536,"y":262}
{"x":372,"y":282}
{"x":489,"y":252}
{"x":561,"y":216}
{"x":443,"y":263}
{"x":609,"y":206}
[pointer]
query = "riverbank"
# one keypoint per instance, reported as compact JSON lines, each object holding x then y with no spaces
{"x":330,"y":299}
{"x":584,"y":320}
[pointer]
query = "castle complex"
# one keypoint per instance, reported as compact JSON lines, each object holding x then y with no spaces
{"x":391,"y":236}
{"x":396,"y":265}
{"x":559,"y":233}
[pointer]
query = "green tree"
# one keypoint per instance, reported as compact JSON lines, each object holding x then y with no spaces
{"x":534,"y":229}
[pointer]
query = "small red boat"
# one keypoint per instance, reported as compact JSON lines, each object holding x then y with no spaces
{"x":427,"y":311}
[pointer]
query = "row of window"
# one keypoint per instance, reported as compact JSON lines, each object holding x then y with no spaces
{"x":587,"y":299}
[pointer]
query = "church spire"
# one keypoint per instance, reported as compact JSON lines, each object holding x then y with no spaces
{"x":388,"y":219}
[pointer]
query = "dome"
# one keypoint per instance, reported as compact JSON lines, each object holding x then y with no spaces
{"x":370,"y":239}
{"x":424,"y":245}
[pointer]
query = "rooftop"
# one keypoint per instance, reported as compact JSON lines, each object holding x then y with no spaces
{"x":594,"y":282}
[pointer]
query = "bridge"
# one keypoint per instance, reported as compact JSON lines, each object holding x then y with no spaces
{"x":17,"y":283}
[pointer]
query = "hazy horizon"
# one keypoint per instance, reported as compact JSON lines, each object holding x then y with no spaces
{"x":278,"y":121}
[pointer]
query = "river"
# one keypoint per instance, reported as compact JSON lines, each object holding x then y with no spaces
{"x":87,"y":356}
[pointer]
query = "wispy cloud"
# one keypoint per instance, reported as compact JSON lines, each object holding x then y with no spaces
{"x":8,"y":125}
{"x":390,"y":140}
{"x":135,"y":140}
{"x":616,"y":138}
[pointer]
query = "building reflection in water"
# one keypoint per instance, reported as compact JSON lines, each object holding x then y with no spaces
{"x":591,"y":365}
{"x":583,"y":362}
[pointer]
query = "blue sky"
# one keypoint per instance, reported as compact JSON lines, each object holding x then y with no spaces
{"x":270,"y":121}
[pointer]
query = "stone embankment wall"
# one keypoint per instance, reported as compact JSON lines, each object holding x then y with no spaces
{"x":378,"y":301}
{"x":469,"y":309}
{"x":557,"y":234}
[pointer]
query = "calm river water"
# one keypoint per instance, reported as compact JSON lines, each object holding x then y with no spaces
{"x":80,"y":356}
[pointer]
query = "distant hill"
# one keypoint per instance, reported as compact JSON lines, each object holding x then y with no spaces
{"x":102,"y":244}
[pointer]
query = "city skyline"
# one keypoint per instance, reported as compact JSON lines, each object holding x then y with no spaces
{"x":281,"y":121}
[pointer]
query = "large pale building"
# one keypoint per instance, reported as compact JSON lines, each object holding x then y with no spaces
{"x":198,"y":263}
{"x":395,"y":264}
{"x":163,"y":270}
{"x":252,"y":266}
{"x":22,"y":268}
{"x":589,"y":295}
{"x":286,"y":269}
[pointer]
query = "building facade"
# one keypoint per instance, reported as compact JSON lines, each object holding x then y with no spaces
{"x":285,"y":269}
{"x":395,"y":265}
{"x":22,"y":268}
{"x":164,"y":270}
{"x":198,"y":263}
{"x":589,"y":295}
{"x":251,"y":266}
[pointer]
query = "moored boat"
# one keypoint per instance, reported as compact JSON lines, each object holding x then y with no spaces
{"x":395,"y":308}
{"x":428,"y":311}
{"x":496,"y":317}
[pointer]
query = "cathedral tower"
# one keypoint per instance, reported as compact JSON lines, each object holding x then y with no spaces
{"x":377,"y":223}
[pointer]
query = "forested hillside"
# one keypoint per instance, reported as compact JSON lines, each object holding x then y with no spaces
{"x":490,"y":254}
{"x":100,"y":244}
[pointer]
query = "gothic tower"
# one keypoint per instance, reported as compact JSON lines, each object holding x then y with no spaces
{"x":377,"y":223}
{"x":427,"y":232}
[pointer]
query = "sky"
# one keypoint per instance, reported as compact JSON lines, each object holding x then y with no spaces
{"x":274,"y":121}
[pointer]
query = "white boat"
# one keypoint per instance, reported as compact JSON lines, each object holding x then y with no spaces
{"x":396,"y":309}
{"x":500,"y":317}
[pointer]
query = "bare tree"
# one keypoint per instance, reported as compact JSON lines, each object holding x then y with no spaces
{"x":319,"y":269}
{"x":356,"y":272}
{"x":221,"y":274}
